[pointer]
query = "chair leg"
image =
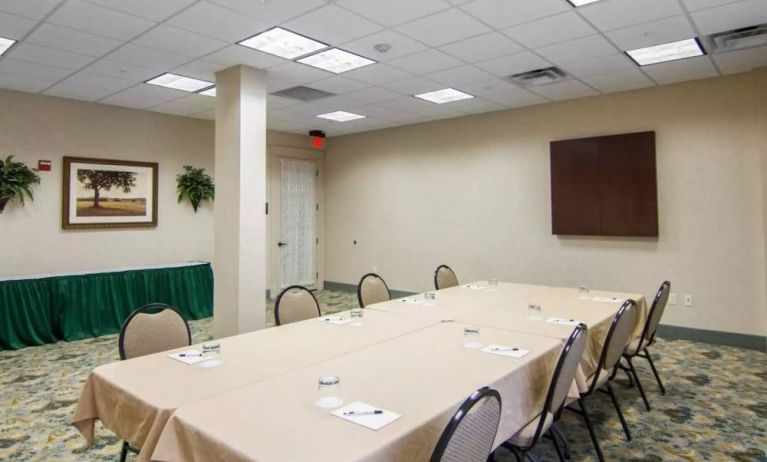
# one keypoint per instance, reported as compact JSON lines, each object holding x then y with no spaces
{"x":639,"y":384}
{"x":618,"y":410}
{"x":513,"y":450}
{"x":655,"y":371}
{"x":124,"y":452}
{"x":557,"y":433}
{"x":556,"y":446}
{"x":591,"y":430}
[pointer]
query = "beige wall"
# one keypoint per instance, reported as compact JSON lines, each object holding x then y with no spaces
{"x":474,"y":193}
{"x":34,"y":127}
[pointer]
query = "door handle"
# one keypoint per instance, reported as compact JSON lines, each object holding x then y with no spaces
{"x":282,"y":244}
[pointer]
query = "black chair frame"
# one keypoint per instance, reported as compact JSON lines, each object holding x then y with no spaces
{"x":359,"y":287}
{"x":436,"y":272}
{"x":279,"y":298}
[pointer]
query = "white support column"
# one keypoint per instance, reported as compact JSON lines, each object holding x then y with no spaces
{"x":240,"y":260}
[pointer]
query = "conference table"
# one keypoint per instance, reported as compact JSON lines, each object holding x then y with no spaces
{"x":407,"y":356}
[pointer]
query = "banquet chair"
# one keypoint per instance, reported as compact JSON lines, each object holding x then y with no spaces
{"x":372,"y":289}
{"x":470,"y":434}
{"x":544,"y":424}
{"x":638,"y":347}
{"x":615,"y":343}
{"x":151,"y":329}
{"x":295,"y":303}
{"x":444,"y":277}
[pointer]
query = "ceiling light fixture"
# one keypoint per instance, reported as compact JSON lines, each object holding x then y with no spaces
{"x":5,"y":44}
{"x":179,"y":82}
{"x":577,"y":3}
{"x":208,"y":92}
{"x":336,"y":61}
{"x":447,"y":95}
{"x":283,"y":43}
{"x":666,"y":52}
{"x":341,"y":116}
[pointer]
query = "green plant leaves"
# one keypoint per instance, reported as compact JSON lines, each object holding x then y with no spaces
{"x":16,"y":180}
{"x":195,"y":185}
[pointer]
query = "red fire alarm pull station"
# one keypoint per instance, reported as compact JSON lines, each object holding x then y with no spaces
{"x":318,"y":139}
{"x":44,"y":165}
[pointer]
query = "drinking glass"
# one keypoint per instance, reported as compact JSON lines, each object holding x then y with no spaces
{"x":430,"y":298}
{"x":471,"y":337}
{"x":492,"y":284}
{"x":211,"y":349}
{"x":357,"y":313}
{"x":329,"y":392}
{"x":534,"y":311}
{"x":583,"y":292}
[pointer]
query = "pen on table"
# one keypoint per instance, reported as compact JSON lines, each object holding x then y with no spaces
{"x":187,"y":355}
{"x":505,"y":349}
{"x":356,"y":413}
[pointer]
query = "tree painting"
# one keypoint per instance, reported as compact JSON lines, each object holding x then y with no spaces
{"x":102,"y":180}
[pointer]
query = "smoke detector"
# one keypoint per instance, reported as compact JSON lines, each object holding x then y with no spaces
{"x":737,"y":39}
{"x":539,"y":77}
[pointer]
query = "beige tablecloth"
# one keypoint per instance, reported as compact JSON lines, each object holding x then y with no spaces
{"x":135,"y":398}
{"x":424,"y":376}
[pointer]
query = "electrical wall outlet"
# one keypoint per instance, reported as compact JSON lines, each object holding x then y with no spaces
{"x":672,"y":298}
{"x":688,"y":300}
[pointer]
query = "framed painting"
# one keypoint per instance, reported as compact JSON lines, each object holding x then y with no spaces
{"x":105,"y":193}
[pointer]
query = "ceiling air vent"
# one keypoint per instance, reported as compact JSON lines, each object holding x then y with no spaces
{"x":737,"y":39}
{"x":539,"y":77}
{"x":303,"y":93}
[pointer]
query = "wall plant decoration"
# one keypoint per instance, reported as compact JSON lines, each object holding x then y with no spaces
{"x":103,"y":193}
{"x":16,"y":180}
{"x":195,"y":185}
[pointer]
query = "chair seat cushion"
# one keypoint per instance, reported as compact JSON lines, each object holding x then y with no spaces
{"x":524,"y":437}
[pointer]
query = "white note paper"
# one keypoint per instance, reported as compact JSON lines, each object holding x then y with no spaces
{"x":412,"y":301}
{"x":474,"y":286}
{"x":371,"y":421}
{"x":607,"y":299}
{"x":505,"y":351}
{"x":188,"y":356}
{"x":565,"y":321}
{"x":338,"y":320}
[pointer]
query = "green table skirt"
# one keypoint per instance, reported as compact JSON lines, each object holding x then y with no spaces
{"x":38,"y":311}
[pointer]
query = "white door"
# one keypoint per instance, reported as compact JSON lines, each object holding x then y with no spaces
{"x":298,"y":222}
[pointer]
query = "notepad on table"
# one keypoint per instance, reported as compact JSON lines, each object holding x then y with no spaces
{"x":338,"y":320}
{"x":607,"y":299}
{"x":475,"y":286}
{"x":565,"y":321}
{"x":412,"y":301}
{"x":188,"y":356}
{"x":366,"y":415}
{"x":505,"y":351}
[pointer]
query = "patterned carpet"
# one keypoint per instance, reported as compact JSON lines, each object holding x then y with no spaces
{"x":715,"y":408}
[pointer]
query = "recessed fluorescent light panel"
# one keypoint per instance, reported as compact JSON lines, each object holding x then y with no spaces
{"x":209,"y":92}
{"x":283,"y":43}
{"x":5,"y":44}
{"x":666,"y":52}
{"x":577,"y":3}
{"x":336,"y":61}
{"x":179,"y":82}
{"x":448,"y":95}
{"x":341,"y":116}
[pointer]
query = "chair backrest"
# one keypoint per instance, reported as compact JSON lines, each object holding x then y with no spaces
{"x":444,"y":277}
{"x":470,"y":434}
{"x":151,"y":329}
{"x":372,"y":289}
{"x":656,"y":313}
{"x":617,"y":338}
{"x":295,"y":303}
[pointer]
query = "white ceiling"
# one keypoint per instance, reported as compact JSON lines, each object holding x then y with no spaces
{"x":102,"y":51}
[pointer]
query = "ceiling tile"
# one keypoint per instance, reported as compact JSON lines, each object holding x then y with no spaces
{"x":202,"y":70}
{"x":132,"y":100}
{"x":147,"y":58}
{"x":32,"y":70}
{"x":505,"y":13}
{"x":393,"y":12}
{"x":15,"y":27}
{"x":23,"y":83}
{"x":210,"y":114}
{"x":87,"y":17}
{"x":277,"y":102}
{"x":237,"y":54}
{"x":414,"y":86}
{"x":482,"y":48}
{"x":176,"y":108}
{"x":201,"y":101}
{"x":338,"y":85}
{"x":378,"y":74}
{"x":297,"y":73}
{"x":565,"y":90}
{"x":400,"y":46}
{"x":630,"y":79}
{"x":421,"y":107}
{"x":374,"y":95}
{"x":601,"y":65}
{"x":513,"y":64}
{"x":228,"y":25}
{"x":685,"y":69}
{"x":332,"y":25}
{"x":694,"y":5}
{"x":554,"y":29}
{"x":426,"y":61}
{"x":149,"y":9}
{"x":336,"y":103}
{"x":120,"y":70}
{"x":613,"y":14}
{"x":66,"y":90}
{"x":577,"y":50}
{"x":33,"y":9}
{"x":444,"y":27}
{"x":741,"y":60}
{"x":491,"y":86}
{"x":477,"y":106}
{"x":515,"y":97}
{"x":44,"y":55}
{"x":272,"y":11}
{"x":273,"y":84}
{"x":63,"y":38}
{"x":652,"y":33}
{"x":180,"y":42}
{"x":460,"y":75}
{"x":112,"y":85}
{"x":158,"y":94}
{"x":731,"y":16}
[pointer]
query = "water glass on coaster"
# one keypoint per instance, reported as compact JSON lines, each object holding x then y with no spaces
{"x":492,"y":284}
{"x":357,"y":313}
{"x":211,"y":349}
{"x":329,"y":392}
{"x":471,"y":337}
{"x":583,"y":292}
{"x":430,"y":298}
{"x":534,"y":311}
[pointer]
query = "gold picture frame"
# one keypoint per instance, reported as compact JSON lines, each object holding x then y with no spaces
{"x":108,"y":193}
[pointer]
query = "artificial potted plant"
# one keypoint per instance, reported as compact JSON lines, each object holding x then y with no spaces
{"x":16,"y":180}
{"x":195,"y":185}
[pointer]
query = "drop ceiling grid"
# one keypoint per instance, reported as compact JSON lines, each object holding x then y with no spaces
{"x":435,"y":69}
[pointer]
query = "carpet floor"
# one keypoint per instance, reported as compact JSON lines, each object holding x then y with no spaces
{"x":715,"y":408}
